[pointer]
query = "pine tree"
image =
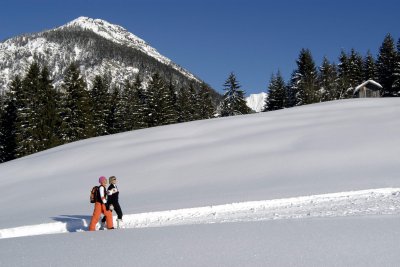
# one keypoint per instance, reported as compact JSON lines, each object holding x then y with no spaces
{"x":8,"y":126}
{"x":206,"y":108}
{"x":370,"y":72}
{"x":173,"y":92}
{"x":115,"y":116}
{"x":155,"y":92}
{"x":28,"y":117}
{"x":2,"y":129}
{"x":141,"y":109}
{"x":194,"y":108}
{"x":233,"y":102}
{"x":356,"y":73}
{"x":127,"y":106}
{"x":307,"y":83}
{"x":77,"y":122}
{"x":327,"y":80}
{"x":100,"y":104}
{"x":396,"y":73}
{"x":291,"y":90}
{"x":344,"y":76}
{"x":169,"y":104}
{"x":183,"y":105}
{"x":276,"y":98}
{"x":386,"y":66}
{"x":48,"y":112}
{"x":133,"y":106}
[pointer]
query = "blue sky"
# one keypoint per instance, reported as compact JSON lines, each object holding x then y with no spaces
{"x":211,"y":38}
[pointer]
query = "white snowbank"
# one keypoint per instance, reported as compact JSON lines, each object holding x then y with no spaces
{"x":365,"y":202}
{"x":256,"y":101}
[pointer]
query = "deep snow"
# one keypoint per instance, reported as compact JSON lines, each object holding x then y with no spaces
{"x":384,"y":201}
{"x":339,"y":148}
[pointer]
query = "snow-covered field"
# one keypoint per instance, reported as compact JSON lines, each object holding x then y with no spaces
{"x":316,"y":185}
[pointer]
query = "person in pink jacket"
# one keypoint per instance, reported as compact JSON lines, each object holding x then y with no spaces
{"x":100,"y":206}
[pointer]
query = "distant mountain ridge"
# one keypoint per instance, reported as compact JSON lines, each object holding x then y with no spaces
{"x":98,"y":47}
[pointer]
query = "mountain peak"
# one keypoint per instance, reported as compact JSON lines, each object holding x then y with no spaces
{"x":120,"y":35}
{"x":61,"y":46}
{"x":107,"y":30}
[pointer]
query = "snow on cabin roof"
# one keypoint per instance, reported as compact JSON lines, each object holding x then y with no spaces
{"x":365,"y":83}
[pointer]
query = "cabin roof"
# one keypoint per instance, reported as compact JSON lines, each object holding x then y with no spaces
{"x":369,"y":82}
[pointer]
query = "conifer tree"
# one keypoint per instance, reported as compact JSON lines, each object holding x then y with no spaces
{"x":206,"y":108}
{"x":306,"y":76}
{"x":396,"y":73}
{"x":276,"y":98}
{"x":370,"y":72}
{"x":127,"y":106}
{"x":141,"y":109}
{"x":233,"y":102}
{"x":133,"y":106}
{"x":173,"y":92}
{"x":291,"y":90}
{"x":155,"y":93}
{"x":194,"y":105}
{"x":48,"y":112}
{"x":356,"y":73}
{"x":327,"y":80}
{"x":8,"y":126}
{"x":170,"y":102}
{"x":386,"y":66}
{"x":77,"y":122}
{"x":115,"y":117}
{"x":2,"y":128}
{"x":183,"y":105}
{"x":344,"y":76}
{"x":100,"y":104}
{"x":28,"y":117}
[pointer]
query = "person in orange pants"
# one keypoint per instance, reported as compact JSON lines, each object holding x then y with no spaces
{"x":100,"y":206}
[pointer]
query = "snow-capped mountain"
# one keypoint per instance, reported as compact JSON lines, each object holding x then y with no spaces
{"x":256,"y":101}
{"x":98,"y":46}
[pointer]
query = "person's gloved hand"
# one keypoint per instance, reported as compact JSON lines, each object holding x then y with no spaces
{"x":111,"y":207}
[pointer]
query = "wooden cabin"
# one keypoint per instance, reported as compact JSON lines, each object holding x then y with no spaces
{"x":369,"y":88}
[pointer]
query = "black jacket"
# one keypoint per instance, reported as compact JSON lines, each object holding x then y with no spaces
{"x":114,"y":197}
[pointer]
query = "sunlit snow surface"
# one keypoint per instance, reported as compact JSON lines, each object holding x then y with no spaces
{"x":316,"y":185}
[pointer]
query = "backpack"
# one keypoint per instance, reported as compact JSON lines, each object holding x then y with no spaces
{"x":94,"y":194}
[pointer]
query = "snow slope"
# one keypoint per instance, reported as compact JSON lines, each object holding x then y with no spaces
{"x":313,"y":185}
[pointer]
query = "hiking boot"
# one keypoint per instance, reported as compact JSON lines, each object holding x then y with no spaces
{"x":119,"y":223}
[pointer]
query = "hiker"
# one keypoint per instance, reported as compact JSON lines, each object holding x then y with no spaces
{"x":112,"y":201}
{"x":100,"y":206}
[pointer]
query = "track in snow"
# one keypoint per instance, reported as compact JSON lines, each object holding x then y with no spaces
{"x":384,"y":201}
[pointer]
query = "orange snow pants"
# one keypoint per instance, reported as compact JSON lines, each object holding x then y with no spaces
{"x":100,"y":208}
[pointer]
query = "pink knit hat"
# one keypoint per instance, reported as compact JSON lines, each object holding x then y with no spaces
{"x":102,"y":179}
